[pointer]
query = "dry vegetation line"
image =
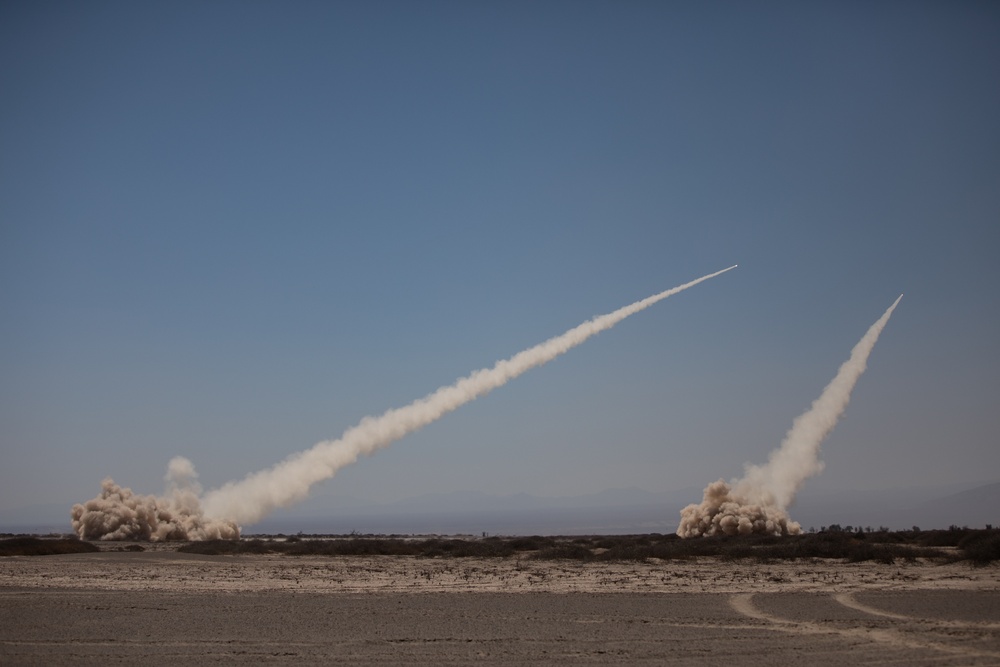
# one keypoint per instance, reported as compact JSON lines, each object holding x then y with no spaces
{"x":848,"y":600}
{"x":743,"y":603}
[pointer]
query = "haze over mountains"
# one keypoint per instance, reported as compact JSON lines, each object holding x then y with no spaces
{"x":613,"y":511}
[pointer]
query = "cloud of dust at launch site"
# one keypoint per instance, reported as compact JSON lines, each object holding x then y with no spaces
{"x":758,"y":502}
{"x":119,"y":514}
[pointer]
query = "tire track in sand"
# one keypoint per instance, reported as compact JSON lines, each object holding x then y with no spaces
{"x":743,"y":603}
{"x":848,"y":600}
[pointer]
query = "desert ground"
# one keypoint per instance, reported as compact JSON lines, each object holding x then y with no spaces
{"x":164,"y":607}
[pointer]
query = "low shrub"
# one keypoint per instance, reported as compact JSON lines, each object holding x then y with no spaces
{"x":942,"y":538}
{"x":533,"y":543}
{"x":358,"y":546}
{"x":851,"y":546}
{"x":491,"y":547}
{"x":34,"y":546}
{"x":565,"y":551}
{"x":981,"y":547}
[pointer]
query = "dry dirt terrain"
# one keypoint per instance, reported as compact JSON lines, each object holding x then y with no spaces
{"x":163,"y":607}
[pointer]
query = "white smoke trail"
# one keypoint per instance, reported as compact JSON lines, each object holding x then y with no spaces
{"x":251,"y":499}
{"x":757,"y":502}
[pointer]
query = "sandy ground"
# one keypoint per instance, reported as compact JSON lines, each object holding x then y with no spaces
{"x":162,"y":607}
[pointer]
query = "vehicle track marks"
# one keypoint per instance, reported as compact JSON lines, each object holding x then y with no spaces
{"x":848,"y":600}
{"x":743,"y":603}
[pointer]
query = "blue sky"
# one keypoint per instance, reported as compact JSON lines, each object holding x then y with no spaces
{"x":231,"y":230}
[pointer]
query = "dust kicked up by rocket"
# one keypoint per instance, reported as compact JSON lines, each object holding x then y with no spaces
{"x":758,"y":502}
{"x":119,"y":514}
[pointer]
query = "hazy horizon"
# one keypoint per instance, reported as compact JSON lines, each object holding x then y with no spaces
{"x":608,"y":511}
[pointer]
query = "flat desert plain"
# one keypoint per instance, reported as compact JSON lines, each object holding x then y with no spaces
{"x":164,"y":607}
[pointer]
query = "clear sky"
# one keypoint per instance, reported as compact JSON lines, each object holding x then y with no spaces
{"x":229,"y":230}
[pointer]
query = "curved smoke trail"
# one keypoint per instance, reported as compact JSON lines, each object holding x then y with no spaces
{"x":250,"y":500}
{"x":758,"y":502}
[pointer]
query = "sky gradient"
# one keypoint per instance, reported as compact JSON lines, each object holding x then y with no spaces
{"x":229,"y":230}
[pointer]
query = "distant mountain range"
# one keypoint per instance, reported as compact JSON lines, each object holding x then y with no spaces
{"x":629,"y":510}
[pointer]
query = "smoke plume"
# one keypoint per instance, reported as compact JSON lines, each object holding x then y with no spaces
{"x":758,"y":502}
{"x":119,"y":514}
{"x":251,"y":499}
